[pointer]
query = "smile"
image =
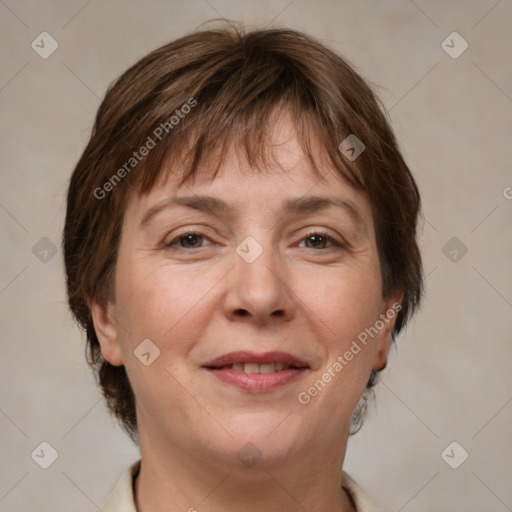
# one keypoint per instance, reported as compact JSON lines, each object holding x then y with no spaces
{"x":257,"y":368}
{"x":257,"y":373}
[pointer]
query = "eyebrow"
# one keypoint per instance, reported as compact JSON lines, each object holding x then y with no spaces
{"x":219,"y":207}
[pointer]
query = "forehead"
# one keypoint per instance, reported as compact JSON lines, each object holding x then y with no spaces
{"x":283,"y":176}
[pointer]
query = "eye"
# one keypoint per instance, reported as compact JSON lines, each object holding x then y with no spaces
{"x":319,"y":239}
{"x":190,"y":240}
{"x":194,"y":239}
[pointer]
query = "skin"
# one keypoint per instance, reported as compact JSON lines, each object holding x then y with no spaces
{"x":202,"y":300}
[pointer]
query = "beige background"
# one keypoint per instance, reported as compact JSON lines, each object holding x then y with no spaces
{"x":450,"y":377}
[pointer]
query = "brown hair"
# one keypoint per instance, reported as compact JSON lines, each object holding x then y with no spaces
{"x":195,"y":96}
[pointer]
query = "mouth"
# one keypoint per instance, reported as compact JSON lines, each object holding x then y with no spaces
{"x":257,"y":372}
{"x":250,"y":368}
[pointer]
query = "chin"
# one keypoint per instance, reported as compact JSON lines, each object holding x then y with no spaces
{"x":272,"y":436}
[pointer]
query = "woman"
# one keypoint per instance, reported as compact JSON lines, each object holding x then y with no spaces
{"x":240,"y":248}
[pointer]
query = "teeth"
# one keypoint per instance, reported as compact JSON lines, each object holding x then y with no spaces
{"x":267,"y":368}
{"x":251,"y":368}
{"x":256,"y":368}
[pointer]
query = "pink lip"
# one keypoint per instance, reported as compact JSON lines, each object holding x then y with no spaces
{"x":257,"y":382}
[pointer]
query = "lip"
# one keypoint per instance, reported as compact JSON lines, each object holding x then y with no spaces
{"x":257,"y":382}
{"x":252,"y":357}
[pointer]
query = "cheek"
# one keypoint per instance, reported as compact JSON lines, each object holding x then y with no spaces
{"x":168,"y":307}
{"x":163,"y":304}
{"x":347,"y":302}
{"x":343,"y":307}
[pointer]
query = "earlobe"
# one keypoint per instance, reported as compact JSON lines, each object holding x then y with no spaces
{"x":381,"y":355}
{"x":107,"y":333}
{"x":391,"y":308}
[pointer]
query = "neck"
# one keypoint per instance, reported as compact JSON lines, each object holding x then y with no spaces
{"x":173,"y":479}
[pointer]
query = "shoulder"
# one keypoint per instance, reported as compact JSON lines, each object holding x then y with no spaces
{"x":361,"y":500}
{"x":121,"y":499}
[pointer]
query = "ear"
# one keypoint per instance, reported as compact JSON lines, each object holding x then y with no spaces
{"x":389,"y":312}
{"x":107,"y":333}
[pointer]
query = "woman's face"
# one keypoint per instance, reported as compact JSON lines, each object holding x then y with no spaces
{"x":224,"y":293}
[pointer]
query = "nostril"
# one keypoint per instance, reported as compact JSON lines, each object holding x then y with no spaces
{"x":242,"y":312}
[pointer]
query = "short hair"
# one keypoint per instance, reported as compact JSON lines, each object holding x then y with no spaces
{"x":193,"y":98}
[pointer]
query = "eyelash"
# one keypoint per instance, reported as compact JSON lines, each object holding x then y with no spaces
{"x":318,"y":233}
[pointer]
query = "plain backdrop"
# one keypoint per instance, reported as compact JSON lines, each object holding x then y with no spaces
{"x":449,"y":379}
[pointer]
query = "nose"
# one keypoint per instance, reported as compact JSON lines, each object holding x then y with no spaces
{"x":259,"y":291}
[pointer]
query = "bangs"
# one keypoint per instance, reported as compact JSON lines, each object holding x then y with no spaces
{"x":196,"y":147}
{"x":238,"y":102}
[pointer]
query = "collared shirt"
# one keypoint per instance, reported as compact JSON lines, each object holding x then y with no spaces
{"x":122,"y":499}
